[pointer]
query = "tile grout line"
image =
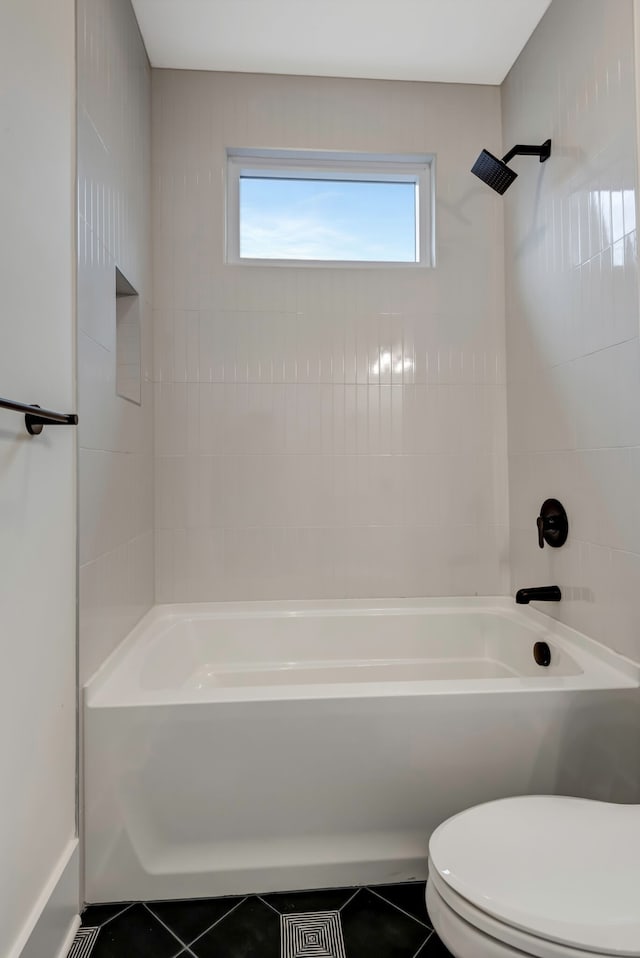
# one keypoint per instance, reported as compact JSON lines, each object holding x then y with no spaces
{"x":281,"y":913}
{"x":349,"y":899}
{"x":408,"y":914}
{"x":269,"y":905}
{"x":160,"y":921}
{"x":428,"y":938}
{"x":117,"y":915}
{"x":217,"y":922}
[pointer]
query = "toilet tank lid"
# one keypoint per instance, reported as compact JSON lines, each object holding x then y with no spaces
{"x":564,"y":869}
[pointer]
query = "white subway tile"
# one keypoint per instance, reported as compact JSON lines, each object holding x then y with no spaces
{"x":116,"y":473}
{"x":324,"y":420}
{"x":573,"y":352}
{"x":606,"y":397}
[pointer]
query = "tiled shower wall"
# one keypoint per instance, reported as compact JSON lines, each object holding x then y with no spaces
{"x":116,"y":437}
{"x":287,"y":465}
{"x":573,"y":356}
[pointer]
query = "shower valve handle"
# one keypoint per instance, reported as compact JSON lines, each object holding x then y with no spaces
{"x":546,"y":524}
{"x":552,"y":523}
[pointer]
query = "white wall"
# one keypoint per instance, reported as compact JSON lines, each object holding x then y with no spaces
{"x":116,"y":436}
{"x":37,"y":474}
{"x":573,"y":354}
{"x":285,"y":467}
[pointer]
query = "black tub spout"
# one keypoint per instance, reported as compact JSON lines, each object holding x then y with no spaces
{"x":546,"y":593}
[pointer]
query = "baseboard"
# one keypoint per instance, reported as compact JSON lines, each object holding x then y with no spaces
{"x":68,"y":938}
{"x":54,"y":919}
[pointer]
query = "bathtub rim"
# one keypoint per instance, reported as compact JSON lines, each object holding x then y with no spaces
{"x":602,"y":668}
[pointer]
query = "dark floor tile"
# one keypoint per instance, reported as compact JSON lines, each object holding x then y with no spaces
{"x":409,"y":896}
{"x":188,"y":919}
{"x":95,"y":915}
{"x":252,"y":930}
{"x":332,"y":899}
{"x":372,"y":926}
{"x":135,"y":934}
{"x":433,"y":948}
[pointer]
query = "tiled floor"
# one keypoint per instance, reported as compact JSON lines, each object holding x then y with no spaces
{"x":385,"y":921}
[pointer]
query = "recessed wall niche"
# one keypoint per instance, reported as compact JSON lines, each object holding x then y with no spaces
{"x":127,"y":340}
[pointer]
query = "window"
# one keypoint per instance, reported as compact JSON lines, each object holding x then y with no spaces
{"x":310,"y":208}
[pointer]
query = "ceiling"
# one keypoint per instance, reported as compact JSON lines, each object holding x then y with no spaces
{"x":449,"y":41}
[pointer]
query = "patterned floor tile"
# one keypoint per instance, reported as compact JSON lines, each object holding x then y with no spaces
{"x":371,"y":926}
{"x":386,"y":921}
{"x":316,"y":934}
{"x":330,"y":899}
{"x":83,"y":943}
{"x":188,"y":919}
{"x":135,"y":933}
{"x":252,"y":930}
{"x":409,"y":896}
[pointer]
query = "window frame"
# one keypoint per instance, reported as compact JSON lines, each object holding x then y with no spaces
{"x":418,"y":168}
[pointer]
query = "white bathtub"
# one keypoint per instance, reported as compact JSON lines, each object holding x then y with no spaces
{"x":268,"y":746}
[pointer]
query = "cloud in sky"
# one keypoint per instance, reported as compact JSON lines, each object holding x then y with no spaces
{"x":291,"y":237}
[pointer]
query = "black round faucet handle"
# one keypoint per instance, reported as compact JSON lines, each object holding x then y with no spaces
{"x":552,"y":523}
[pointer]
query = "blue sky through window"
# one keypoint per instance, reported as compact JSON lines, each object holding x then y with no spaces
{"x":327,"y":220}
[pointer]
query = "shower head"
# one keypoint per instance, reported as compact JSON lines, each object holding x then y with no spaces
{"x":496,"y":174}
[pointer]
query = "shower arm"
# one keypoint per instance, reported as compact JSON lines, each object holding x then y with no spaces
{"x":523,"y":149}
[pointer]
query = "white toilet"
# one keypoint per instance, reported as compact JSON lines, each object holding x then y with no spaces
{"x":539,"y":875}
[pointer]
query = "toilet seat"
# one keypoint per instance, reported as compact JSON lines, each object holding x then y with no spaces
{"x":546,"y":875}
{"x":471,"y":933}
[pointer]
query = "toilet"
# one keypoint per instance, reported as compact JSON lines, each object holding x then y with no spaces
{"x":541,"y":875}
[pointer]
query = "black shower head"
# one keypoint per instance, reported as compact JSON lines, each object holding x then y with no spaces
{"x":493,"y":172}
{"x":496,"y":174}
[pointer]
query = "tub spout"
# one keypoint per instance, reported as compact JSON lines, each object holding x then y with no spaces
{"x":546,"y":593}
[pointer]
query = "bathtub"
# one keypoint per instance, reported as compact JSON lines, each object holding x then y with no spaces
{"x":234,"y":748}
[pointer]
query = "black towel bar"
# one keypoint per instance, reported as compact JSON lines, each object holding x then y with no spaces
{"x":35,"y":420}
